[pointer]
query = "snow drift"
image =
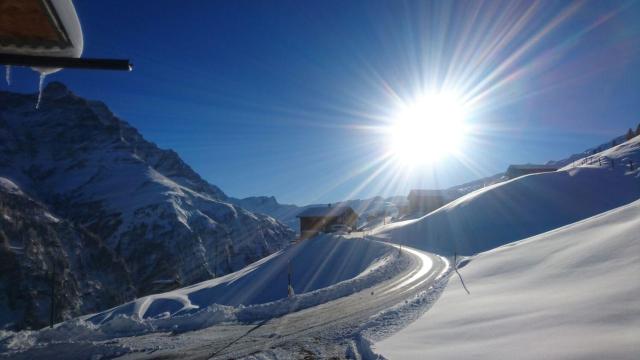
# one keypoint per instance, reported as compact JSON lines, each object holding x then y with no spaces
{"x":315,"y":264}
{"x":526,"y":206}
{"x":568,"y":293}
{"x":323,"y":269}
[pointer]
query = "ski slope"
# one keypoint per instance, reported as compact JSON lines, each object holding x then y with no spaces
{"x":569,"y":293}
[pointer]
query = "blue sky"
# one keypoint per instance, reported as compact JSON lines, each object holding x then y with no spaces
{"x":284,"y":98}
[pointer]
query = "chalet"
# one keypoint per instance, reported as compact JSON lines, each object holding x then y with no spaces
{"x":515,"y":171}
{"x":326,"y":219}
{"x":425,"y":201}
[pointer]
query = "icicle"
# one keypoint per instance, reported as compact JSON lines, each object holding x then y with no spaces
{"x":40,"y":86}
{"x":7,"y":74}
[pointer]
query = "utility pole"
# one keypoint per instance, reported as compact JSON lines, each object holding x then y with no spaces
{"x":52,"y":311}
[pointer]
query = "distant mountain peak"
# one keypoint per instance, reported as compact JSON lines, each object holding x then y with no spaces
{"x":56,"y":90}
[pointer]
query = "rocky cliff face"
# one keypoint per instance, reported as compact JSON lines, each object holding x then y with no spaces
{"x":43,"y":257}
{"x":163,"y":225}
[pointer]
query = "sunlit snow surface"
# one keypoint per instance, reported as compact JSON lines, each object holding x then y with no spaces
{"x":571,"y":292}
{"x":323,"y":268}
{"x":315,"y":264}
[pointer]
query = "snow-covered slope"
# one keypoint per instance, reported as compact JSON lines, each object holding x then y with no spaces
{"x":588,"y":152}
{"x":571,"y":293}
{"x":322,"y":269}
{"x":169,"y":226}
{"x":522,"y":207}
{"x":314,"y":264}
{"x":33,"y":242}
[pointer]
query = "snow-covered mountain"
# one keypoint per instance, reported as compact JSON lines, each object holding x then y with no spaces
{"x":559,"y":269}
{"x":268,"y":205}
{"x":33,"y":243}
{"x":160,"y":220}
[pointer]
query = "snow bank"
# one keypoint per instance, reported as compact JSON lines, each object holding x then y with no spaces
{"x":318,"y":263}
{"x":323,"y":269}
{"x":526,"y":206}
{"x":568,"y":293}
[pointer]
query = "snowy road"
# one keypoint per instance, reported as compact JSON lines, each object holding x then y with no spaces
{"x":325,"y":330}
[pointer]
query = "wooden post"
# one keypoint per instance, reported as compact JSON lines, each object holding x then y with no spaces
{"x":53,"y":295}
{"x":455,"y":267}
{"x":290,"y":292}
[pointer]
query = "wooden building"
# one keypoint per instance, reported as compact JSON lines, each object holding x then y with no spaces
{"x":515,"y":171}
{"x":326,"y":219}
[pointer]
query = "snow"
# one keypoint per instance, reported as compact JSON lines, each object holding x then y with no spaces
{"x":556,"y":272}
{"x":323,"y":269}
{"x":568,"y":293}
{"x":317,"y":263}
{"x":523,"y":207}
{"x":9,"y":186}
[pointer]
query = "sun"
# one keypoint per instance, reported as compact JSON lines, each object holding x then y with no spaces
{"x":427,"y":129}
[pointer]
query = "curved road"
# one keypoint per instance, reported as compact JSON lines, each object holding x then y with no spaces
{"x":324,"y":329}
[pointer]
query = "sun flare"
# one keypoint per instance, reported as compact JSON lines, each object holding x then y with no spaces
{"x":428,"y":129}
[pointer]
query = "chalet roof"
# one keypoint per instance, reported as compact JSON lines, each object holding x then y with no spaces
{"x":32,"y":24}
{"x":325,"y":211}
